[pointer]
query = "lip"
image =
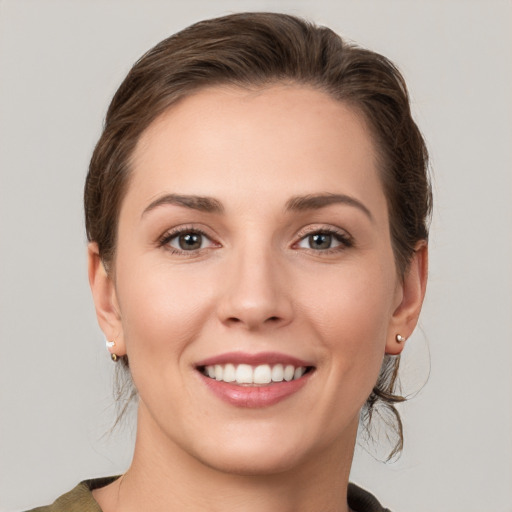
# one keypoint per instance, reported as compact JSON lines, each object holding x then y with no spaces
{"x":253,"y":359}
{"x":256,"y":396}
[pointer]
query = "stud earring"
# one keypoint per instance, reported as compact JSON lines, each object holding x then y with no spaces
{"x":111,"y":344}
{"x":400,"y":339}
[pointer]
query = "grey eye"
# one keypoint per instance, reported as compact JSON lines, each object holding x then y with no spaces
{"x":320,"y":241}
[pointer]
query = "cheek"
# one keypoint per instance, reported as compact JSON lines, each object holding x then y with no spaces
{"x":351,"y":315}
{"x":355,"y":305}
{"x":162,"y":311}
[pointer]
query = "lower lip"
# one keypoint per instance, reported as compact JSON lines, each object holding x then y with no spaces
{"x":254,"y":396}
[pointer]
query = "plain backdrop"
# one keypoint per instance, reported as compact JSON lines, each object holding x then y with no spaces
{"x":60,"y":63}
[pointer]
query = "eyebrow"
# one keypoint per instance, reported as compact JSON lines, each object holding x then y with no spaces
{"x":296,"y":203}
{"x":201,"y":203}
{"x":317,"y":201}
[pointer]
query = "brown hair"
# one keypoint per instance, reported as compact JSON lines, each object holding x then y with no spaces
{"x":253,"y":50}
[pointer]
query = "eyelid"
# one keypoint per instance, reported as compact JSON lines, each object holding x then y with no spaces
{"x":346,"y":240}
{"x":323,"y":228}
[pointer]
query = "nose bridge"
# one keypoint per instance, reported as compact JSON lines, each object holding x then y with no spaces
{"x":254,"y":294}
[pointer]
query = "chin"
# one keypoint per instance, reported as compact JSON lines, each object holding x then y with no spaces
{"x":248,"y":464}
{"x":256,"y":453}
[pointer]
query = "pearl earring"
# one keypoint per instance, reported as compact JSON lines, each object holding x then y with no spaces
{"x":400,"y":339}
{"x":111,"y":344}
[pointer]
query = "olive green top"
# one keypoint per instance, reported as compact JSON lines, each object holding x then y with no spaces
{"x":80,"y":499}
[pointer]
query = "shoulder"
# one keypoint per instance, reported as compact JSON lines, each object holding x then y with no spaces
{"x":360,"y":500}
{"x":79,"y":499}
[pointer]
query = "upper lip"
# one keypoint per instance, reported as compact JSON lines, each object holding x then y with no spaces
{"x":253,"y":359}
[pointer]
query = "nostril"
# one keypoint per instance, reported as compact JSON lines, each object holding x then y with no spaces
{"x":236,"y":320}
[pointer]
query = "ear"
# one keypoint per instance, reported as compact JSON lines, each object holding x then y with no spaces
{"x":412,"y":291}
{"x":105,"y":300}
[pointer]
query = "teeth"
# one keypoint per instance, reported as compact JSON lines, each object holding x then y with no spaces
{"x":229,"y":373}
{"x":261,"y":374}
{"x":278,"y":373}
{"x":289,"y":372}
{"x":243,"y":374}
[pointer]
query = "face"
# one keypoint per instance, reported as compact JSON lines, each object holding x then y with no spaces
{"x":254,"y":287}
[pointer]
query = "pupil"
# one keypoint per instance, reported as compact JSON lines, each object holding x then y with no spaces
{"x":190,"y":241}
{"x":320,"y":241}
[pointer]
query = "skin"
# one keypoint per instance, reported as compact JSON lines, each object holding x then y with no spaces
{"x":257,"y":284}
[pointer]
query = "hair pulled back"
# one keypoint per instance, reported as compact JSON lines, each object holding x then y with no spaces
{"x":253,"y":50}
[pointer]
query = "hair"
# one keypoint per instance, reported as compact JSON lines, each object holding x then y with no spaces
{"x":252,"y":50}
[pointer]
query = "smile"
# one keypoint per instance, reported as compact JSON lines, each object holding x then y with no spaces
{"x":254,"y":380}
{"x":245,"y":374}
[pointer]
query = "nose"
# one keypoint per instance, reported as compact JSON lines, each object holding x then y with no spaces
{"x":255,"y":293}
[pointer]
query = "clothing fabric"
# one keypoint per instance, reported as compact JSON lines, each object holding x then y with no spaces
{"x":360,"y":500}
{"x":80,"y":499}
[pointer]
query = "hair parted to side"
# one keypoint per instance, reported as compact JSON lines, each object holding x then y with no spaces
{"x":252,"y":50}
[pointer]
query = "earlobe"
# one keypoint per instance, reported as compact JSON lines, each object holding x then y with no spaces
{"x":405,"y":316}
{"x":105,"y":300}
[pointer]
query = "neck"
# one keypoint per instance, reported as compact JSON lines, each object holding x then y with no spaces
{"x":164,"y":477}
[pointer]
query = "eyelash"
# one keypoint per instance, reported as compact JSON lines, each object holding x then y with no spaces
{"x":165,"y":240}
{"x":343,"y":238}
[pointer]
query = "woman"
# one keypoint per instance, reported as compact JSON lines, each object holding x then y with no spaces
{"x":256,"y":210}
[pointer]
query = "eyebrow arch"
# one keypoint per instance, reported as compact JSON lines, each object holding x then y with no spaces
{"x":317,"y":201}
{"x":201,"y":203}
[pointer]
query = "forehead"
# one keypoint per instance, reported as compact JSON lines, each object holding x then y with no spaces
{"x":283,"y":139}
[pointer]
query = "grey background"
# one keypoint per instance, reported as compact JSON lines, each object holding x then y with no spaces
{"x":60,"y":62}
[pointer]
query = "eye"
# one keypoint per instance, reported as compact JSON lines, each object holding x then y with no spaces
{"x":186,"y":240}
{"x":325,"y":240}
